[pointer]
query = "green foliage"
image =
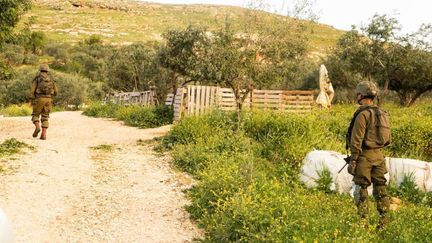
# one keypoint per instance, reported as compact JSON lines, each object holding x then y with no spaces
{"x":409,"y":224}
{"x":184,"y":52}
{"x":248,"y":191}
{"x":134,"y":115}
{"x":378,"y":53}
{"x":409,"y":191}
{"x":103,"y":147}
{"x":12,"y":146}
{"x":32,"y":41}
{"x":13,"y":54}
{"x":15,"y":110}
{"x":324,"y":180}
{"x":132,"y":68}
{"x":144,"y":116}
{"x":31,"y":59}
{"x":101,"y":110}
{"x":286,"y":138}
{"x":10,"y":13}
{"x":72,"y":89}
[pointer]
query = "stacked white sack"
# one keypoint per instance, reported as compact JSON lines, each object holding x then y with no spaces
{"x":317,"y":160}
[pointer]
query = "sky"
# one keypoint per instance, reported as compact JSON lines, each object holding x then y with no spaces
{"x":342,"y":14}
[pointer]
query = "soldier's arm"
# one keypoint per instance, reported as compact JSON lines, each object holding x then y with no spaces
{"x":357,"y":135}
{"x":55,"y":88}
{"x":33,"y":89}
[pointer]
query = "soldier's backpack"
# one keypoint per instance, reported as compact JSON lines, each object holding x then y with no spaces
{"x":382,"y":127}
{"x":377,"y":135}
{"x":45,"y":85}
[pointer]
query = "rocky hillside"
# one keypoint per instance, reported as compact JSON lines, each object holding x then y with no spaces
{"x":128,"y":21}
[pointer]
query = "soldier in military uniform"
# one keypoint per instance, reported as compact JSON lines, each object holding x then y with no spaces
{"x":367,"y":163}
{"x":42,"y":90}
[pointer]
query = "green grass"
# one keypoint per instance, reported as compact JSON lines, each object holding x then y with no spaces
{"x":247,"y":186}
{"x":16,"y":110}
{"x":103,"y":147}
{"x":12,"y":146}
{"x":133,"y":115}
{"x":23,"y":110}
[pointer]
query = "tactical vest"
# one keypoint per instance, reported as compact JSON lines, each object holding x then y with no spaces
{"x":377,"y":133}
{"x":45,"y":86}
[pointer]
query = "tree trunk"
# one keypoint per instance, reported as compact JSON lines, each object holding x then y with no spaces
{"x":415,"y":97}
{"x":238,"y":106}
{"x":384,"y":92}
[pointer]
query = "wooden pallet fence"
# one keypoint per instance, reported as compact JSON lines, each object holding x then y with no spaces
{"x":179,"y":103}
{"x":129,"y":98}
{"x":195,"y":100}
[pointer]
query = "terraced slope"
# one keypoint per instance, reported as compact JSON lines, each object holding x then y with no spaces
{"x":127,"y":21}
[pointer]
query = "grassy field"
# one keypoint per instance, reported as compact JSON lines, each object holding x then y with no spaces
{"x":248,"y":189}
{"x":123,"y":22}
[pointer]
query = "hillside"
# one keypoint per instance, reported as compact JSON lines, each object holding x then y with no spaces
{"x":126,"y":21}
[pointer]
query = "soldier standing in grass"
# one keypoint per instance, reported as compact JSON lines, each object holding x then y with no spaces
{"x":42,"y":90}
{"x":368,"y":134}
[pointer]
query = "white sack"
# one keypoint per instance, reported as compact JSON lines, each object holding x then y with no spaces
{"x":399,"y":168}
{"x":316,"y":161}
{"x":6,"y":234}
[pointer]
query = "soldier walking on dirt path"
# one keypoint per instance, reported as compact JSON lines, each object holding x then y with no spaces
{"x":42,"y":90}
{"x":368,"y":133}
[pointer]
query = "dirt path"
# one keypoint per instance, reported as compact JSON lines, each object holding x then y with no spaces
{"x":67,"y":191}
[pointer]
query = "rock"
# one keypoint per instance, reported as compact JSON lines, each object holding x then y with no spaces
{"x":395,"y":203}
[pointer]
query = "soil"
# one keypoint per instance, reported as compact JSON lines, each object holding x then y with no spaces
{"x":92,"y":180}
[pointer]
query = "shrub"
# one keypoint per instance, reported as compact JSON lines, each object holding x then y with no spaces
{"x":144,"y":116}
{"x":72,"y":89}
{"x":287,"y":138}
{"x":11,"y":146}
{"x":31,"y":59}
{"x":190,"y":129}
{"x":408,"y":190}
{"x":101,"y":110}
{"x":324,"y":181}
{"x":15,"y":110}
{"x":134,"y":115}
{"x":14,"y":54}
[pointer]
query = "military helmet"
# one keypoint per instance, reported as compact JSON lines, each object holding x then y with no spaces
{"x":44,"y":68}
{"x":367,"y":89}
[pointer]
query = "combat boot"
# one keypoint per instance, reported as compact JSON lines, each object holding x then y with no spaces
{"x":43,"y":134}
{"x":37,"y":129}
{"x":383,"y":221}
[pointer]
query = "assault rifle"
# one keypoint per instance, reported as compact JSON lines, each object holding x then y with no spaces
{"x":347,"y":160}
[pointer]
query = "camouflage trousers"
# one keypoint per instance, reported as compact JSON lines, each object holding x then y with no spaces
{"x":41,"y":108}
{"x":371,"y":169}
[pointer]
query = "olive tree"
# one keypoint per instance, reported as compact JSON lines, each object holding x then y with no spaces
{"x":10,"y":13}
{"x":379,"y":53}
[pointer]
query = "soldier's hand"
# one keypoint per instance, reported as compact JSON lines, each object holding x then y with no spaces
{"x":352,"y":167}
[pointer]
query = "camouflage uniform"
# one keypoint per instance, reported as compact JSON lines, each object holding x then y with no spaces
{"x":367,"y":159}
{"x":42,"y":103}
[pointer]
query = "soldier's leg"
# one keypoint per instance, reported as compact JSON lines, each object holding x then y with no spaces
{"x":45,"y":116}
{"x":45,"y":112}
{"x":37,"y":109}
{"x":380,"y":192}
{"x":362,"y":179}
{"x":360,"y":198}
